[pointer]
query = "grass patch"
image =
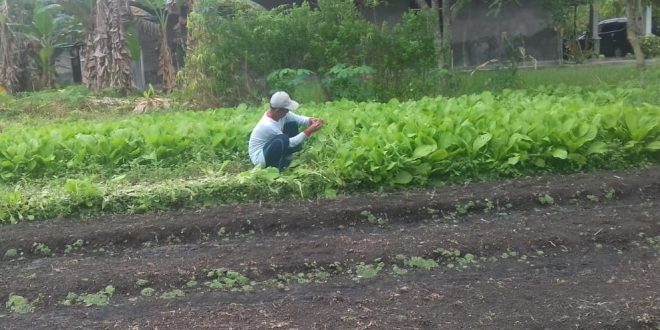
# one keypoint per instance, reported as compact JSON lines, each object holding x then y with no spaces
{"x":589,"y":77}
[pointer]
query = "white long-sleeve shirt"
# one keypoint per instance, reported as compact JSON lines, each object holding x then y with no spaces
{"x":267,"y":128}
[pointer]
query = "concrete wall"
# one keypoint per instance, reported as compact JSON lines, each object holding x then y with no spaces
{"x":479,"y":37}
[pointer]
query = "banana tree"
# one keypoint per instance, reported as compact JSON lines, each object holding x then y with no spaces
{"x":106,"y":54}
{"x":49,"y":27}
{"x":158,"y":11}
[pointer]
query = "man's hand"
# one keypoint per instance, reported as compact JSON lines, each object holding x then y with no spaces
{"x":314,"y":125}
{"x":313,"y":120}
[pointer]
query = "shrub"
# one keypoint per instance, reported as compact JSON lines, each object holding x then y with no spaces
{"x":650,"y":46}
{"x":240,"y":55}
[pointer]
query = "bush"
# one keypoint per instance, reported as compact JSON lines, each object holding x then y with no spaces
{"x":241,"y":55}
{"x":651,"y":46}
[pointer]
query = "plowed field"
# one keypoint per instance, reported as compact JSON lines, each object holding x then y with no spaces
{"x":558,"y":252}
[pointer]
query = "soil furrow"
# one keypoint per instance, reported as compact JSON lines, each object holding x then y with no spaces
{"x":549,"y":252}
{"x":407,"y":207}
{"x":592,"y":290}
{"x":261,"y":258}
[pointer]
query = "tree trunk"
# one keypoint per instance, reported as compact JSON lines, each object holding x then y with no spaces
{"x":447,"y":17}
{"x":167,"y":71}
{"x":107,"y":59}
{"x":437,"y":32}
{"x":8,"y":68}
{"x":633,"y":30}
{"x":120,"y":70}
{"x":97,"y":58}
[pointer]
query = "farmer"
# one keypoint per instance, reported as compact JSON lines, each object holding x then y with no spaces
{"x":276,"y":137}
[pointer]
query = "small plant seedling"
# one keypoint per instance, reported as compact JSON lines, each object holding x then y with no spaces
{"x":172,"y":294}
{"x":372,"y":219}
{"x":192,"y":283}
{"x":464,"y":209}
{"x":336,"y":266}
{"x":421,"y":263}
{"x":546,"y":200}
{"x":41,"y":249}
{"x":610,"y":193}
{"x":653,"y":242}
{"x":223,"y":278}
{"x":365,"y":271}
{"x":489,"y":207}
{"x":19,"y":304}
{"x":593,"y":198}
{"x":147,"y":292}
{"x":77,"y":245}
{"x":11,"y":253}
{"x":317,"y":276}
{"x":140,"y":282}
{"x":396,"y":270}
{"x":454,"y":258}
{"x":101,"y":298}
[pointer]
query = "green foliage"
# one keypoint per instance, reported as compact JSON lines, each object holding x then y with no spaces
{"x":83,"y":192}
{"x":80,"y":147}
{"x":302,"y":83}
{"x":19,"y":304}
{"x":349,"y":82}
{"x":172,"y":294}
{"x":453,"y":258}
{"x":11,"y":253}
{"x":287,"y":79}
{"x":546,"y":199}
{"x":650,"y":45}
{"x":372,"y":219}
{"x":75,"y":246}
{"x":147,"y":292}
{"x":226,"y":279}
{"x":49,"y":28}
{"x":53,"y":104}
{"x":45,"y":168}
{"x":421,"y":263}
{"x":42,"y":249}
{"x":366,"y":271}
{"x":316,"y":276}
{"x":101,"y":298}
{"x":234,"y":53}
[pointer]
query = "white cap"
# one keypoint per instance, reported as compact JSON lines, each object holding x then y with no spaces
{"x":281,"y":100}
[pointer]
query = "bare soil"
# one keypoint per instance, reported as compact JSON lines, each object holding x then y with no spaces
{"x":579,"y":251}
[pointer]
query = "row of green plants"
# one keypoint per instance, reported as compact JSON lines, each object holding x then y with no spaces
{"x":114,"y":146}
{"x":505,"y":132}
{"x":61,"y":169}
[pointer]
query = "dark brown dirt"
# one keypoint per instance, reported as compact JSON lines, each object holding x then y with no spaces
{"x":579,"y":251}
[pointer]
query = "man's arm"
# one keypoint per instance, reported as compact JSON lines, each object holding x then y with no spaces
{"x":300,"y":119}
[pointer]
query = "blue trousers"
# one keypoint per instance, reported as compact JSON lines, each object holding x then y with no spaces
{"x":277,"y":151}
